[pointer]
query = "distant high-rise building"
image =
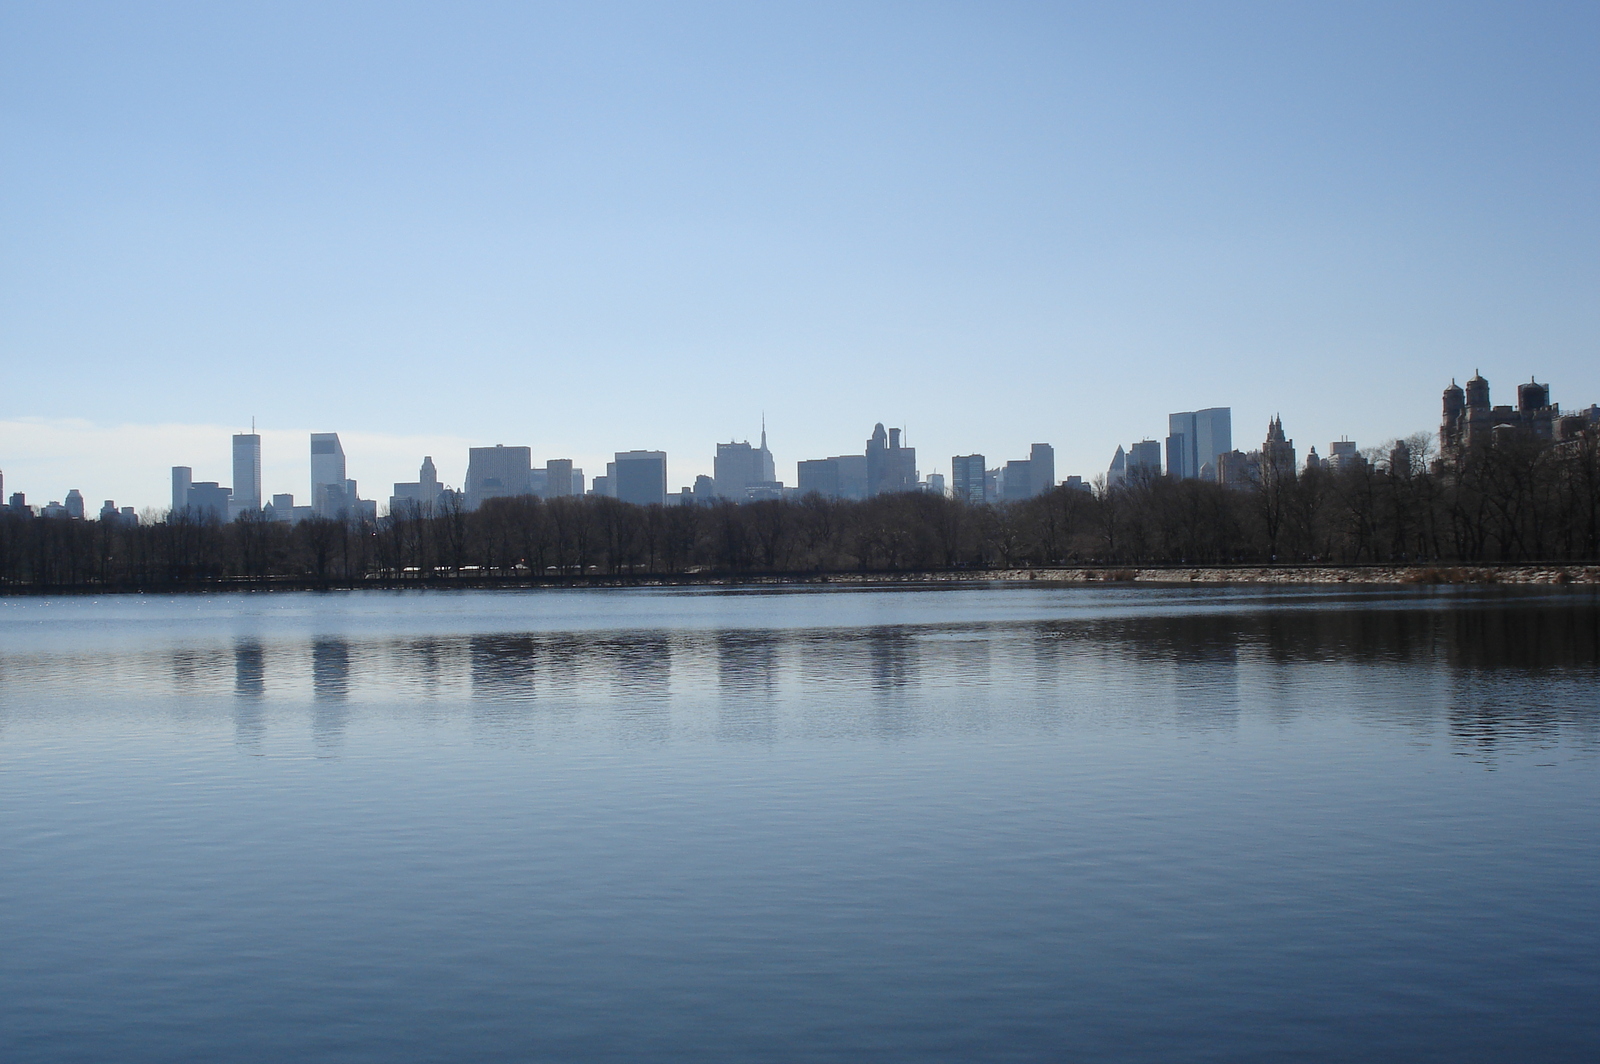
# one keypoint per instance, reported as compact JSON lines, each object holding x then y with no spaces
{"x":282,"y":508}
{"x":1027,"y":477}
{"x":1470,"y":419}
{"x":1016,"y":482}
{"x":1342,"y":455}
{"x":641,"y":477}
{"x":182,"y":478}
{"x":967,"y":478}
{"x":742,"y":472}
{"x":736,"y":469}
{"x":419,"y":497}
{"x":890,"y":467}
{"x":498,"y":472}
{"x":934,"y":485}
{"x":558,"y":479}
{"x":1195,"y":438}
{"x":1235,"y":469}
{"x":246,"y":474}
{"x":818,"y":476}
{"x":1117,"y":472}
{"x":74,"y":504}
{"x":843,"y":476}
{"x":208,"y":501}
{"x":1042,"y":467}
{"x":1145,"y":457}
{"x":1277,"y":454}
{"x":1400,"y":458}
{"x":329,"y":487}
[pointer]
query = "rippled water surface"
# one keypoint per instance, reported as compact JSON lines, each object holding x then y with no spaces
{"x":954,"y":824}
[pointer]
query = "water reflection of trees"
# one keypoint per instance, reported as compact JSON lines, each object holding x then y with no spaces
{"x":1512,"y":669}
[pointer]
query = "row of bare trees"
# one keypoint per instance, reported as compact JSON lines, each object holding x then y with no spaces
{"x":1519,"y":500}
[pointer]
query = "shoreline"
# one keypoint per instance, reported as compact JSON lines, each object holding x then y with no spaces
{"x":1166,"y":576}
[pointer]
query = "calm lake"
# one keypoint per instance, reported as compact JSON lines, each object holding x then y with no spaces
{"x":1132,"y":824}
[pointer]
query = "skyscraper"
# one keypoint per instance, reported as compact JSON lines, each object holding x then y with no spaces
{"x":417,"y":499}
{"x":840,"y":477}
{"x":641,"y":477}
{"x":558,"y":478}
{"x":736,"y":469}
{"x":498,"y":472}
{"x":1195,"y":438}
{"x":742,"y":472}
{"x":182,"y":477}
{"x":967,"y":474}
{"x":1146,"y":457}
{"x":890,"y":467}
{"x":1277,"y":454}
{"x":1042,"y":463}
{"x":246,"y":474}
{"x":1017,"y":480}
{"x":328,"y":488}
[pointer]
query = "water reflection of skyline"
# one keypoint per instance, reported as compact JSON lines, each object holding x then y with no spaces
{"x":1490,"y":674}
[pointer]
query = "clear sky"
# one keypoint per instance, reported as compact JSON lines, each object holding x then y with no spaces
{"x":591,"y":227}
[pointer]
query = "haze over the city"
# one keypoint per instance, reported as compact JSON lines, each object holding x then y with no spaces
{"x":595,"y":229}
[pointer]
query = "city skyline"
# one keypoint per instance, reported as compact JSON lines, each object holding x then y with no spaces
{"x":567,"y":228}
{"x":1199,"y":446}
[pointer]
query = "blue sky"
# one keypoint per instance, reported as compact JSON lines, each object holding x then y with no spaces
{"x":597,"y":227}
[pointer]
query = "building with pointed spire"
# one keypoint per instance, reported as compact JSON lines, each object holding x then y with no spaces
{"x":741,"y":472}
{"x":1277,"y":454}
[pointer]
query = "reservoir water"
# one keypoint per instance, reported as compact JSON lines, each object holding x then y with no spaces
{"x":1007,"y":824}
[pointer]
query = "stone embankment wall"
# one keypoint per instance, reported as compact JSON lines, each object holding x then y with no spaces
{"x":1309,"y":574}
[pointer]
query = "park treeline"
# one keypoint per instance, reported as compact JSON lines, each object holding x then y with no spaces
{"x":1514,"y":502}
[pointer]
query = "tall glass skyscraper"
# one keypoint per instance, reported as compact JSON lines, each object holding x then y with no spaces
{"x":327,"y":475}
{"x":1195,"y":438}
{"x":246,"y":474}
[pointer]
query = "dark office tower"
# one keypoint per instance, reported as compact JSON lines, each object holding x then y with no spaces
{"x":877,"y":459}
{"x":819,"y":476}
{"x":246,"y":474}
{"x":890,"y":467}
{"x":1176,"y":448}
{"x":641,"y":477}
{"x":1017,"y":481}
{"x":1042,"y":463}
{"x":182,"y":478}
{"x":498,"y":472}
{"x":967,"y":472}
{"x":208,"y":501}
{"x":558,"y":477}
{"x":840,"y":477}
{"x":1146,"y":457}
